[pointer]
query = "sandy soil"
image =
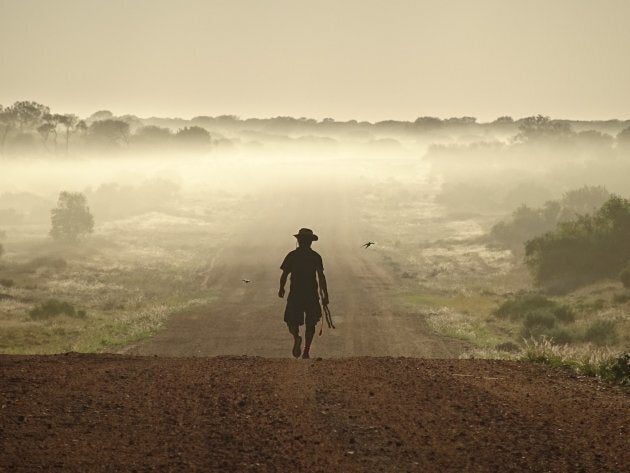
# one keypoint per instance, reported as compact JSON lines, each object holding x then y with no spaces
{"x":120,"y":413}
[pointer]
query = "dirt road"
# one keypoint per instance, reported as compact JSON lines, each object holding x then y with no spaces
{"x":119,"y":413}
{"x":246,"y":319}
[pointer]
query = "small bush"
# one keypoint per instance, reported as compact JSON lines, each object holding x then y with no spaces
{"x":621,"y":369}
{"x":601,"y":332}
{"x":509,"y":347}
{"x":52,"y":308}
{"x":624,"y":276}
{"x":53,"y":262}
{"x":7,"y":282}
{"x":539,"y":318}
{"x":621,"y":297}
{"x":560,"y":336}
{"x":596,"y":305}
{"x":564,"y":314}
{"x":543,"y":324}
{"x":521,"y":305}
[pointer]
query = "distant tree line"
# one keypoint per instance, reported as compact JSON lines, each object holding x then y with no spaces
{"x":534,"y":135}
{"x":28,"y":126}
{"x":31,"y":127}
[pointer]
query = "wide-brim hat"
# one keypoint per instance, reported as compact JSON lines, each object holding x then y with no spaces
{"x":306,"y":233}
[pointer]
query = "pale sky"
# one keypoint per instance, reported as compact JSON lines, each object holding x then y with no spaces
{"x":362,"y":59}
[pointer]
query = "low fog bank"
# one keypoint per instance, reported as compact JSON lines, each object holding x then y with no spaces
{"x":122,"y":219}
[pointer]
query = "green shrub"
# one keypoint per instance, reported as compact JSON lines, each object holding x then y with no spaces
{"x":52,"y":308}
{"x":521,"y":305}
{"x":621,"y":297}
{"x":624,"y":276}
{"x":564,"y":314}
{"x":584,"y":249}
{"x":542,"y":324}
{"x":560,"y":335}
{"x":601,"y":332}
{"x":539,"y":318}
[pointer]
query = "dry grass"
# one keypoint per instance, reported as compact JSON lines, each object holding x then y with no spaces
{"x":129,"y":277}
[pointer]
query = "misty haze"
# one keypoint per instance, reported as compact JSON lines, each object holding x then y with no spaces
{"x":466,"y":218}
{"x":282,"y":236}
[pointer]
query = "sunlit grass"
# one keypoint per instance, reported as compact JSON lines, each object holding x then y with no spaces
{"x":465,"y":316}
{"x":585,"y":360}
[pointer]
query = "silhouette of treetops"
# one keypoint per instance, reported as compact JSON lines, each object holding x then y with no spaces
{"x":28,"y":126}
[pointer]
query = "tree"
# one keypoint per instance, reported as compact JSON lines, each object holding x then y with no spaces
{"x":540,"y":127}
{"x":584,"y":249}
{"x":71,"y":123}
{"x":71,"y":218}
{"x":193,"y":136}
{"x":100,"y":115}
{"x":8,"y":121}
{"x":623,"y":137}
{"x":110,"y":132}
{"x":49,"y":127}
{"x":29,"y":114}
{"x":152,"y":135}
{"x":428,"y":122}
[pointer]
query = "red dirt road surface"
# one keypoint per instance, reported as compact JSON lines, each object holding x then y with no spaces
{"x":120,"y":413}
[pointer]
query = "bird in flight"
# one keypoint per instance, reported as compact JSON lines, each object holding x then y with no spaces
{"x":368,"y":244}
{"x":245,"y":280}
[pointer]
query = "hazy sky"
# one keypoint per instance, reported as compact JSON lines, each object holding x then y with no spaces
{"x":363,"y":59}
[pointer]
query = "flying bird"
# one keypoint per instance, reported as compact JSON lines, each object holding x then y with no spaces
{"x":368,"y":244}
{"x":245,"y":280}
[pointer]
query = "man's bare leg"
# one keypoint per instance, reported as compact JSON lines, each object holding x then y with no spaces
{"x":297,"y":340}
{"x":310,"y":333}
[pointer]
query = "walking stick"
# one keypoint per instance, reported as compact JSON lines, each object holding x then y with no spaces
{"x":327,"y":315}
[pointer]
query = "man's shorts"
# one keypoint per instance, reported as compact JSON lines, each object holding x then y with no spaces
{"x":300,"y":311}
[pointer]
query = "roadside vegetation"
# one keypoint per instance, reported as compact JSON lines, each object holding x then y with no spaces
{"x":482,"y":288}
{"x":495,"y":233}
{"x":103,"y":291}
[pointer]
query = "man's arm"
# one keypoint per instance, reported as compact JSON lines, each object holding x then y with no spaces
{"x":283,"y":281}
{"x":323,"y":286}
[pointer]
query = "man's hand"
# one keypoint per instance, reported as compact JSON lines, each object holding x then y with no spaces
{"x":281,"y":292}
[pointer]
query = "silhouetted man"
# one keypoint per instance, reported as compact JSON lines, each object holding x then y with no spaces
{"x":304,"y":264}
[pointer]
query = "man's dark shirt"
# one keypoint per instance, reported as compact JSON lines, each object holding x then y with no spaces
{"x":303,"y":264}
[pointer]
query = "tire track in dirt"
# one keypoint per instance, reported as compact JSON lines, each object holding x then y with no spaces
{"x":246,"y":319}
